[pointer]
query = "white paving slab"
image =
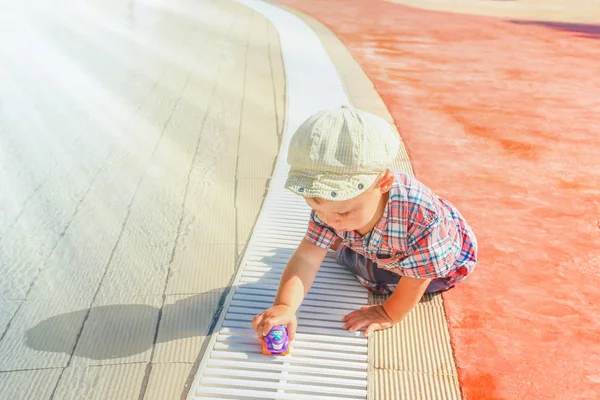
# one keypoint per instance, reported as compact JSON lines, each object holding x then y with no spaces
{"x":36,"y":384}
{"x":101,"y":382}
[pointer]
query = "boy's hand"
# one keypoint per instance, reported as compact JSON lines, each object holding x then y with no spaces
{"x":372,"y":318}
{"x":276,"y":315}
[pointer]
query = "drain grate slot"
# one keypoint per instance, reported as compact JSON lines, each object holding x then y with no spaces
{"x":326,"y":361}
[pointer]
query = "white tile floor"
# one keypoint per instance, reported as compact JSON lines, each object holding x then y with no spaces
{"x":120,"y":125}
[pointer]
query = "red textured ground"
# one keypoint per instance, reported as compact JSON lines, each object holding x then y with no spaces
{"x":503,"y":119}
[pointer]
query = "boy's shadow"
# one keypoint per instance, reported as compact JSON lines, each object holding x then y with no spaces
{"x":123,"y":330}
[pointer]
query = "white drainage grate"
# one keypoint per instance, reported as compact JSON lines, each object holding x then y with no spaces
{"x":326,"y":362}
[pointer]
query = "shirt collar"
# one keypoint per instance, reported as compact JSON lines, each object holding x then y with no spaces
{"x":372,"y":238}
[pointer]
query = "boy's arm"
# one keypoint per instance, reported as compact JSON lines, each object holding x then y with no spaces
{"x":433,"y":252}
{"x":406,"y":296}
{"x":295,"y":282}
{"x":299,"y":274}
{"x":403,"y":300}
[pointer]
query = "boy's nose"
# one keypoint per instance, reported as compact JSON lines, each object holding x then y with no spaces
{"x":333,"y":220}
{"x":335,"y":225}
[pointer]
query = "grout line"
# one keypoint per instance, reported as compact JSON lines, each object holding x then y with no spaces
{"x":29,"y":369}
{"x":237,"y":158}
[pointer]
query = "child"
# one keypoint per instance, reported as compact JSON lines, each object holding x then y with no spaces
{"x":390,"y":230}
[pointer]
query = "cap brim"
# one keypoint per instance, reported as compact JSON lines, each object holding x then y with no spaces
{"x":331,"y":187}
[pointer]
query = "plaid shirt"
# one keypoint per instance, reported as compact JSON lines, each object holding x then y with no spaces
{"x":419,"y":235}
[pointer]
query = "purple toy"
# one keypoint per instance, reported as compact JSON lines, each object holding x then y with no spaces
{"x":276,"y":342}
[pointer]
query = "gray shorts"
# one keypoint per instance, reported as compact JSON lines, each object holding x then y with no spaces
{"x":378,"y":280}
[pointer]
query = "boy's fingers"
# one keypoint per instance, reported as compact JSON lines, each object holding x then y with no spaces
{"x":263,"y":323}
{"x":256,"y":321}
{"x":292,"y":330}
{"x":372,"y":328}
{"x":354,"y":319}
{"x":350,"y":318}
{"x":355,"y":325}
{"x":271,"y":322}
{"x":350,"y":315}
{"x":263,"y":326}
{"x":349,"y":322}
{"x":259,"y":331}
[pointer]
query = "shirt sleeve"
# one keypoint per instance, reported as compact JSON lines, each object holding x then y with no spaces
{"x":318,"y":233}
{"x":431,"y":250}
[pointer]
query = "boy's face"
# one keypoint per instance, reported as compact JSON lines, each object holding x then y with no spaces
{"x":352,"y":214}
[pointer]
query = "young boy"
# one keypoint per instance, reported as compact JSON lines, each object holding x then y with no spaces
{"x":390,"y":230}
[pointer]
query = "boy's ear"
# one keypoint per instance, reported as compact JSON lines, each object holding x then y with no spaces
{"x":386,"y":180}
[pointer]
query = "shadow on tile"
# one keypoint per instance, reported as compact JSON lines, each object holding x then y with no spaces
{"x":122,"y":330}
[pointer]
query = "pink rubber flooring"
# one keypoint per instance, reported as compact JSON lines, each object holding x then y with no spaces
{"x":503,"y":119}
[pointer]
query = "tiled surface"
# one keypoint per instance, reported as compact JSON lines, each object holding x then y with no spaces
{"x":184,"y":326}
{"x":202,"y":268}
{"x":251,"y":194}
{"x":418,"y":344}
{"x":118,"y":331}
{"x":130,"y":183}
{"x":7,"y":311}
{"x":42,"y":335}
{"x":36,"y":384}
{"x":406,"y":385}
{"x":101,"y":382}
{"x":166,"y":380}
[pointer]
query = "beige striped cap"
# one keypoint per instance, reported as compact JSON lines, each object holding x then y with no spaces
{"x":338,"y":154}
